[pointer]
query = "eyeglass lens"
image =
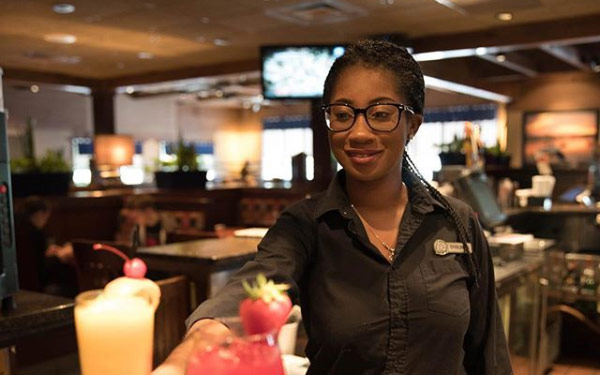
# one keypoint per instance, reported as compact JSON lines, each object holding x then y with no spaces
{"x":384,"y":117}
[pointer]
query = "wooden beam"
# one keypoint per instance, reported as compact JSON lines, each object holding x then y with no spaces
{"x":45,"y":77}
{"x":522,"y":66}
{"x":183,"y":73}
{"x":566,"y":54}
{"x":569,"y":30}
{"x":103,"y":100}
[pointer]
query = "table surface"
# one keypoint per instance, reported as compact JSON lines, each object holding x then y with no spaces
{"x":35,"y":312}
{"x":208,"y":250}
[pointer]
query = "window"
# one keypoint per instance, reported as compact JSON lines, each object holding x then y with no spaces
{"x":441,"y":126}
{"x":82,"y":151}
{"x":284,"y":137}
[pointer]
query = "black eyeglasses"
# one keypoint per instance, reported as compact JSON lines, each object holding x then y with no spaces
{"x":383,"y":117}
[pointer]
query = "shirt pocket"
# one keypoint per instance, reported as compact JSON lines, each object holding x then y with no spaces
{"x":446,"y":286}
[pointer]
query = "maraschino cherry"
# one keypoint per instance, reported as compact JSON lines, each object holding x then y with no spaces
{"x":134,"y":268}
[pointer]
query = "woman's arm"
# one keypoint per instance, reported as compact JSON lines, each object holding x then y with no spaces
{"x":202,"y":333}
{"x":282,"y":255}
{"x":486,"y":352}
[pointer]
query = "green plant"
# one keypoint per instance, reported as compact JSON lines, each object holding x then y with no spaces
{"x":454,"y":146}
{"x":52,"y":162}
{"x":496,"y":150}
{"x":186,"y":157}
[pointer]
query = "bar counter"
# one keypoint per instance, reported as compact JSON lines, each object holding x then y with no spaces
{"x":35,"y":313}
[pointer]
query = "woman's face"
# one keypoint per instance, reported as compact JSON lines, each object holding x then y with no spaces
{"x":365,"y":154}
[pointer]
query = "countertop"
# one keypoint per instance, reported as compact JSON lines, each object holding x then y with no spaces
{"x":515,"y":272}
{"x":35,"y":313}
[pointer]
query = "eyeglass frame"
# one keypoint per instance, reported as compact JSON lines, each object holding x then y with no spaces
{"x":401,"y":107}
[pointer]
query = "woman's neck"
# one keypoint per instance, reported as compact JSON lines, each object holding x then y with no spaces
{"x":376,"y":195}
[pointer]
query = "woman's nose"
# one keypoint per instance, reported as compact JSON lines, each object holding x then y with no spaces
{"x":361,"y":130}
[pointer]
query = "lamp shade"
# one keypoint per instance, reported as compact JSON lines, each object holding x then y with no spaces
{"x":113,"y":150}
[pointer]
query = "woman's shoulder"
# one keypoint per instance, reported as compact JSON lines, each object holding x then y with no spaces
{"x":305,"y":207}
{"x":461,"y":208}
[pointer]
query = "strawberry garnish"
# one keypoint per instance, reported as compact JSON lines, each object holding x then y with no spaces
{"x":267,"y":307}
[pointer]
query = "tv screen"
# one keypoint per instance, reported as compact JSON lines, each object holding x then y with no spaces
{"x":475,"y":190}
{"x":296,"y":72}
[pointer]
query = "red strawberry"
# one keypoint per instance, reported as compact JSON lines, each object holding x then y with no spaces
{"x":267,"y":307}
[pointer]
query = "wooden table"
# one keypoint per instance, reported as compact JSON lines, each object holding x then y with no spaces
{"x":199,"y":259}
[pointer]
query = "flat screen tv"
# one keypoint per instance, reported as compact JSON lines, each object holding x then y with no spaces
{"x":296,"y":72}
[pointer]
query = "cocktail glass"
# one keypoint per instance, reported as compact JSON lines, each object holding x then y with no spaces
{"x":115,"y":327}
{"x":238,"y":354}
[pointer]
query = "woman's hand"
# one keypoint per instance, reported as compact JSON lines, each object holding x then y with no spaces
{"x":201,"y":334}
{"x":63,"y":253}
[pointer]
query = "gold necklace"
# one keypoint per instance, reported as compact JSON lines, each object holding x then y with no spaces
{"x":389,"y":248}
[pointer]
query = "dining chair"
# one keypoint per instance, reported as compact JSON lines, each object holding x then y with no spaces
{"x":96,"y":268}
{"x":174,"y":308}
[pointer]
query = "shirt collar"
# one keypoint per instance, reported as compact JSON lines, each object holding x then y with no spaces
{"x":335,"y":197}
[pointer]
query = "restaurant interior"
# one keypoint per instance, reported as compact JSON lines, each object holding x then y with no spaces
{"x":178,"y":131}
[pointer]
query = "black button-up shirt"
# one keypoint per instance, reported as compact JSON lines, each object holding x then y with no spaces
{"x":418,"y":315}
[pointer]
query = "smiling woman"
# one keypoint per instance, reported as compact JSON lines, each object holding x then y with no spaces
{"x":414,"y":309}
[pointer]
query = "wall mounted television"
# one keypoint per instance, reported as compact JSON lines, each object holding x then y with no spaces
{"x":296,"y":72}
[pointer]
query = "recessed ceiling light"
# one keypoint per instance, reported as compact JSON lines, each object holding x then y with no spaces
{"x":221,"y":42}
{"x":504,"y":16}
{"x":63,"y":8}
{"x":501,"y":57}
{"x":34,"y":89}
{"x":60,"y":38}
{"x":130,"y":90}
{"x":145,"y":55}
{"x":205,"y":20}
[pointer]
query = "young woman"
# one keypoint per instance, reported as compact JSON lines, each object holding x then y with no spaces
{"x":392,"y":277}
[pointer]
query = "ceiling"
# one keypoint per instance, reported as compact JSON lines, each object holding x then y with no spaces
{"x":126,"y":42}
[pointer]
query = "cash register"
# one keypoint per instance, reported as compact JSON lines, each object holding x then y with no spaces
{"x":505,"y":246}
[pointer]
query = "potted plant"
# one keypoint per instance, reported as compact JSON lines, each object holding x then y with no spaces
{"x":183,"y":171}
{"x":496,"y":156}
{"x":49,"y":175}
{"x":452,"y":153}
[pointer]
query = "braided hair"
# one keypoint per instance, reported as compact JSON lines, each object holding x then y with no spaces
{"x":410,"y":82}
{"x":409,"y":166}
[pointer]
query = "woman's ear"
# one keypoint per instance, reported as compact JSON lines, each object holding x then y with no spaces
{"x":414,"y":122}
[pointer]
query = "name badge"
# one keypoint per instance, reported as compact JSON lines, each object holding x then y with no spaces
{"x":442,"y":247}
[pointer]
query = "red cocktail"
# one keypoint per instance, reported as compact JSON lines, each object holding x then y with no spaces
{"x":238,"y":355}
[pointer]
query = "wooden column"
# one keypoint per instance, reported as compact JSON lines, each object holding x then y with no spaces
{"x":103,"y":109}
{"x":324,"y":166}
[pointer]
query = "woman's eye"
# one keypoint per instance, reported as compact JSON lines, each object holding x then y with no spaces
{"x":342,"y":116}
{"x":380,"y":115}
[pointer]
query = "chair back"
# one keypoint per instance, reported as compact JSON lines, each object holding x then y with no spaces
{"x":169,"y":323}
{"x":96,"y":268}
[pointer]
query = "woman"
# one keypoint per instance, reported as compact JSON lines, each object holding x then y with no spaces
{"x":392,"y":277}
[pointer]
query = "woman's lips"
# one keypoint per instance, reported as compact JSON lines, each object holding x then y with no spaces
{"x":363,"y":156}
